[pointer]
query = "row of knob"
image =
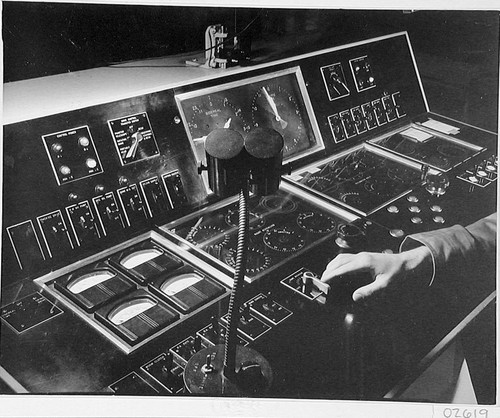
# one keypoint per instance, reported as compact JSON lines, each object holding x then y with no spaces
{"x":98,"y":189}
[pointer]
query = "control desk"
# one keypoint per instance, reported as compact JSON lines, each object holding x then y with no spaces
{"x":117,"y":259}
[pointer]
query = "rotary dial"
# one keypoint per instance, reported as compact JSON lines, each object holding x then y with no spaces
{"x":316,"y":222}
{"x":256,"y":220}
{"x":283,"y":239}
{"x":257,"y":261}
{"x":207,"y":235}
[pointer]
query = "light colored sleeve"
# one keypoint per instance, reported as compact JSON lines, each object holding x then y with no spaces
{"x":457,"y":249}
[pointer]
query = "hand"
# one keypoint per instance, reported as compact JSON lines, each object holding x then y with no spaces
{"x":274,"y":108}
{"x":386,"y":270}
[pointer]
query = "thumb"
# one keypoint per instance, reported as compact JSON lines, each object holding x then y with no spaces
{"x":368,"y":291}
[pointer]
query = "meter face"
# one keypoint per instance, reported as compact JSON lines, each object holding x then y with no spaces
{"x":278,"y":100}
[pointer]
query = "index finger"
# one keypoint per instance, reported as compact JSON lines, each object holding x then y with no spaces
{"x":348,"y":263}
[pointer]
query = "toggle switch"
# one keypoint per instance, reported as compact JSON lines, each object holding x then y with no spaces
{"x":307,"y":284}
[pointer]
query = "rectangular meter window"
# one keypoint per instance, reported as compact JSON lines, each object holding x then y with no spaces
{"x":278,"y":100}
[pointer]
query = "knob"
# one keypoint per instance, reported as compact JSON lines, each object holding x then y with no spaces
{"x":83,"y":141}
{"x":57,"y":147}
{"x":208,"y":366}
{"x":177,"y":120}
{"x":349,"y":236}
{"x":65,"y":170}
{"x":72,"y":197}
{"x":91,"y":163}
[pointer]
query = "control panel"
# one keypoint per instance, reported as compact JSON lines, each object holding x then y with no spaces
{"x":113,"y":243}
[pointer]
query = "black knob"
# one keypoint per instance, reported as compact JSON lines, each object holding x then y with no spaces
{"x":349,"y":236}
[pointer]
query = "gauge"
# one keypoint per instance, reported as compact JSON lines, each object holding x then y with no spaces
{"x":130,"y":310}
{"x":380,"y":187}
{"x":451,"y":151}
{"x":207,"y":235}
{"x":316,"y":222}
{"x":351,"y":198}
{"x":256,"y":220}
{"x":437,"y":160}
{"x":319,"y":183}
{"x":139,"y":257}
{"x":283,"y":239}
{"x":179,"y":283}
{"x":276,"y":107}
{"x":403,"y":175}
{"x":213,"y":112}
{"x":278,"y":204}
{"x":89,"y":280}
{"x":257,"y":261}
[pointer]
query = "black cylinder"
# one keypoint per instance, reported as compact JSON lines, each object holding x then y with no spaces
{"x":265,"y":152}
{"x":224,"y":149}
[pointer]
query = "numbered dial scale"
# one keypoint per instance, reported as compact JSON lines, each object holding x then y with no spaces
{"x":278,"y":100}
{"x":280,"y":226}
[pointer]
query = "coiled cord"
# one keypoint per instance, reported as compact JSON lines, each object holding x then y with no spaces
{"x":239,"y":276}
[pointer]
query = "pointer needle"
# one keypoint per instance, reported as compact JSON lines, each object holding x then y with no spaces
{"x":270,"y":100}
{"x":227,"y":124}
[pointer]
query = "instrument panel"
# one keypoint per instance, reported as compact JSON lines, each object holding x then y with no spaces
{"x":113,"y":244}
{"x":282,"y":226}
{"x":278,"y":100}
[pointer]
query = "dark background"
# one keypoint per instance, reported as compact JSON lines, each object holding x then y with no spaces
{"x":456,"y":51}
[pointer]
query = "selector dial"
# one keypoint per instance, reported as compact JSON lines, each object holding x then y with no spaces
{"x":283,"y":239}
{"x":316,"y":222}
{"x":257,"y":260}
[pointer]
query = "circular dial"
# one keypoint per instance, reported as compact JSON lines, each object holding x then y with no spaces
{"x":437,"y":160}
{"x":213,"y":112}
{"x":278,"y":204}
{"x":275,"y":107}
{"x":283,"y":239}
{"x":320,"y":183}
{"x":351,"y":198}
{"x":403,"y":175}
{"x":207,"y":235}
{"x":257,"y":261}
{"x":380,"y":187}
{"x":255,"y":220}
{"x":316,"y":222}
{"x":451,"y":151}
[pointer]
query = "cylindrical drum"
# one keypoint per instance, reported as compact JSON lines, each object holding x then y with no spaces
{"x":224,"y":152}
{"x":265,"y":149}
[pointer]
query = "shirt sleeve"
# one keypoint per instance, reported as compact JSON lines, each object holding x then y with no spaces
{"x":457,"y":248}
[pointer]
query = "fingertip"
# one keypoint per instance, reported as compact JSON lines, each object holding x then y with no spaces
{"x":358,"y":296}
